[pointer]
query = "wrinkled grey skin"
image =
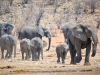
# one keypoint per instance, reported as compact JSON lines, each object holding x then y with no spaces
{"x":61,"y":51}
{"x":5,"y":28}
{"x":36,"y":46}
{"x":65,"y":29}
{"x":81,"y":37}
{"x":7,"y":42}
{"x":25,"y":48}
{"x":30,"y":32}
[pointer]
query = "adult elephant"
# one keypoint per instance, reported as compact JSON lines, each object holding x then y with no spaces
{"x":5,"y":28}
{"x":8,"y":42}
{"x":65,"y":30}
{"x":80,"y":37}
{"x":30,"y":32}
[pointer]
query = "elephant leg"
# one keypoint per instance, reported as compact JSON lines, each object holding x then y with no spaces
{"x":29,"y":53}
{"x":38,"y":55}
{"x":42,"y":53}
{"x":88,"y":49}
{"x":62,"y":56}
{"x":2,"y":55}
{"x":10,"y":53}
{"x":58,"y":56}
{"x":72,"y":54}
{"x":6,"y":56}
{"x":78,"y":58}
{"x":22,"y":55}
{"x":26,"y":57}
{"x":33,"y":56}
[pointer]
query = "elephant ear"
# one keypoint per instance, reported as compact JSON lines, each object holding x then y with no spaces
{"x":79,"y":33}
{"x":9,"y":28}
{"x":40,"y":31}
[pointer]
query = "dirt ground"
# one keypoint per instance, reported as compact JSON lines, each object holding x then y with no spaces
{"x":48,"y":65}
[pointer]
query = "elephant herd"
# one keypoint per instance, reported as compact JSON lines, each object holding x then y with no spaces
{"x":77,"y":37}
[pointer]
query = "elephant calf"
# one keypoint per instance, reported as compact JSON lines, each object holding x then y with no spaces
{"x":61,"y":51}
{"x":7,"y":42}
{"x":36,"y":46}
{"x":25,"y":48}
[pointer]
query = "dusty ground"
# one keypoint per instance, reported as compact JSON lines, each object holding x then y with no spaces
{"x":48,"y":65}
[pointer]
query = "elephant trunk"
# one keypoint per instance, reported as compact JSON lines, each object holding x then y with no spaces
{"x":94,"y":47}
{"x":49,"y":39}
{"x":94,"y":40}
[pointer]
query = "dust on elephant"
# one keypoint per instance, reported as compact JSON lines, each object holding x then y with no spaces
{"x":25,"y":48}
{"x":5,"y":28}
{"x":80,"y":37}
{"x":61,"y":51}
{"x":65,"y":29}
{"x":30,"y":32}
{"x":37,"y":46}
{"x":7,"y":42}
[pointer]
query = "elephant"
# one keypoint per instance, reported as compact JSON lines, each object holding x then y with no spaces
{"x":65,"y":30}
{"x":7,"y":42}
{"x":5,"y":28}
{"x":37,"y":46}
{"x":61,"y":51}
{"x":30,"y":32}
{"x":80,"y":37}
{"x":25,"y":48}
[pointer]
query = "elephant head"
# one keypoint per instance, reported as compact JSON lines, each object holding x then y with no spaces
{"x":65,"y":29}
{"x":84,"y":32}
{"x":8,"y":28}
{"x":48,"y":35}
{"x":5,"y":29}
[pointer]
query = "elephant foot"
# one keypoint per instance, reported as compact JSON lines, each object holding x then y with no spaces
{"x":74,"y":63}
{"x":87,"y":64}
{"x":26,"y":58}
{"x":63,"y":62}
{"x":29,"y":56}
{"x":34,"y":59}
{"x":77,"y":59}
{"x":47,"y":50}
{"x":2,"y":58}
{"x":22,"y":58}
{"x":58,"y":61}
{"x":6,"y":57}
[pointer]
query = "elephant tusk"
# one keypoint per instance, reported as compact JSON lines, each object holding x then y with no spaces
{"x":92,"y":42}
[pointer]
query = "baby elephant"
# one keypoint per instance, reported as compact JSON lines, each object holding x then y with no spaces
{"x":37,"y":47}
{"x":25,"y":48}
{"x":61,"y":51}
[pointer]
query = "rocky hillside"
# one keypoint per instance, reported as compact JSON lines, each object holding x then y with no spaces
{"x":56,"y":13}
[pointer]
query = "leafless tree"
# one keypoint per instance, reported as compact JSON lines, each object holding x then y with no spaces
{"x":4,"y":7}
{"x":41,"y":11}
{"x":91,"y":4}
{"x":98,"y":21}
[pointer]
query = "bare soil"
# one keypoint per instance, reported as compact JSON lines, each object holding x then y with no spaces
{"x":49,"y":66}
